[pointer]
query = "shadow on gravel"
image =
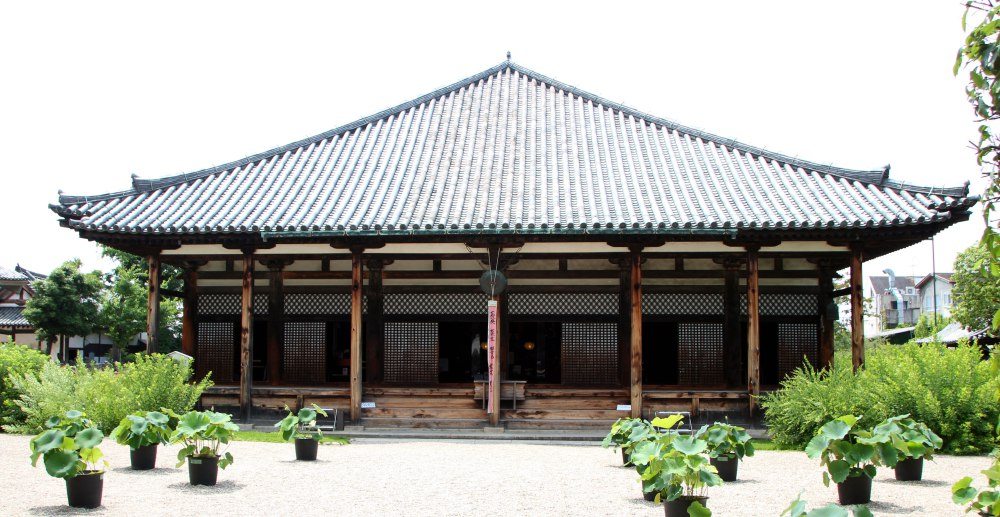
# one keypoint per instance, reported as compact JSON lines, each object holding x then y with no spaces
{"x":63,"y":510}
{"x":222,"y":487}
{"x":297,"y":462}
{"x":153,"y":472}
{"x":743,"y":482}
{"x":880,"y":507}
{"x":926,"y":482}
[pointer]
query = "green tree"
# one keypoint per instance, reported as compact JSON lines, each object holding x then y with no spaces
{"x":976,"y":293}
{"x":928,"y":325}
{"x":123,"y":309}
{"x":135,"y":271}
{"x":65,"y":303}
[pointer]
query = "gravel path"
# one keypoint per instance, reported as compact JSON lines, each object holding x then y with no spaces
{"x":424,"y":477}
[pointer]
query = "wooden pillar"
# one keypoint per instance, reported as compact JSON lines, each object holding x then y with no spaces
{"x":375,"y":329}
{"x":494,"y":415}
{"x":246,"y":336}
{"x":356,"y":285}
{"x":503,"y":334}
{"x":624,"y":321}
{"x":635,"y":332}
{"x":275,"y":320}
{"x":826,"y":322}
{"x":189,"y":318}
{"x":753,"y":327}
{"x":153,"y":305}
{"x":732,"y":332}
{"x":857,"y":310}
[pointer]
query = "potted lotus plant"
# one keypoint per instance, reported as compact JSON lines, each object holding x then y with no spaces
{"x":203,"y":433}
{"x":69,"y":450}
{"x":143,"y":431}
{"x":625,"y":433}
{"x":302,"y":428}
{"x":985,"y":501}
{"x":850,"y":456}
{"x":912,"y":442}
{"x":646,"y":451}
{"x":679,"y":472}
{"x":727,"y":446}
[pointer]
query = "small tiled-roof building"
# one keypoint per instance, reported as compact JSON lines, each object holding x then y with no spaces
{"x":15,"y":291}
{"x":650,"y":264}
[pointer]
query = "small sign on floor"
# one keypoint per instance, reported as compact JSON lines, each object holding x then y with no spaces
{"x":624,"y":407}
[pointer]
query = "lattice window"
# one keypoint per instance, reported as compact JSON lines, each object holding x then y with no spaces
{"x":682,"y":303}
{"x":260,"y":304}
{"x":219,"y":304}
{"x":435,"y":303}
{"x":305,"y":352}
{"x":699,"y":354}
{"x":216,"y":343}
{"x":589,"y":353}
{"x":317,"y":303}
{"x":784,"y":304}
{"x":564,"y":303}
{"x":797,"y":342}
{"x":411,"y":352}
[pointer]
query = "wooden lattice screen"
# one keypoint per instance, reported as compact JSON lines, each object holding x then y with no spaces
{"x":305,"y":352}
{"x":216,"y":344}
{"x":411,"y":352}
{"x":796,"y":342}
{"x":699,"y":354}
{"x":589,"y":353}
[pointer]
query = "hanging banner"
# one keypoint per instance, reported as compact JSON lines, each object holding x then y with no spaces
{"x":491,"y":343}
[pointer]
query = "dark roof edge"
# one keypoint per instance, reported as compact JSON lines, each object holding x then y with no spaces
{"x":877,"y":177}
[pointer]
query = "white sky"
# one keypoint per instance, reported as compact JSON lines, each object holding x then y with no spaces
{"x":92,"y":92}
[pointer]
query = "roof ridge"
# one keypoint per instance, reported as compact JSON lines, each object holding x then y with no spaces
{"x":877,"y":177}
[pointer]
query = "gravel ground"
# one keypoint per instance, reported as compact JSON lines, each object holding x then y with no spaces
{"x":425,"y":477}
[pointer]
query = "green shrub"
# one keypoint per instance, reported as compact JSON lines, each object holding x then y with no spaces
{"x":950,"y":390}
{"x":107,"y":395}
{"x":16,"y":360}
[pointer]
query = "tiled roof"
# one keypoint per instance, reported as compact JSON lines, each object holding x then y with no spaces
{"x":946,"y":277}
{"x":12,"y":317}
{"x":13,"y":275}
{"x":510,"y":150}
{"x":880,"y":283}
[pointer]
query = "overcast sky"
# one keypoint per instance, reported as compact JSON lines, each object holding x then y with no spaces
{"x":93,"y":92}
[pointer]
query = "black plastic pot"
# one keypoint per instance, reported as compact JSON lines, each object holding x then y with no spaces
{"x":143,"y":458}
{"x":85,"y":490}
{"x":679,"y":507}
{"x":203,"y":470}
{"x":727,"y":467}
{"x":649,"y":496}
{"x":306,"y":448}
{"x":910,"y":469}
{"x":855,"y":490}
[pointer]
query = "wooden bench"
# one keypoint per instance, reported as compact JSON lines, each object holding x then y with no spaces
{"x":509,"y":390}
{"x":695,"y":396}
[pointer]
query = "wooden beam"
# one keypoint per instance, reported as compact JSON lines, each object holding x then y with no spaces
{"x":837,"y":293}
{"x":857,"y":310}
{"x":275,"y":321}
{"x":246,"y":336}
{"x":153,"y":305}
{"x":189,"y":318}
{"x":375,"y":329}
{"x":753,"y":327}
{"x":356,"y":286}
{"x":825,"y":322}
{"x":732,"y":331}
{"x":635,"y":332}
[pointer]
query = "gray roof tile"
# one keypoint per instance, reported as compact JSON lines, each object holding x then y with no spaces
{"x":12,"y":317}
{"x":514,"y":150}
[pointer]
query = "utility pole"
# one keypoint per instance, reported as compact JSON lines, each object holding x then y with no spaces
{"x":934,"y":285}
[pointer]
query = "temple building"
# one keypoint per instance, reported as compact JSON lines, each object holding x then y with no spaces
{"x":649,"y":265}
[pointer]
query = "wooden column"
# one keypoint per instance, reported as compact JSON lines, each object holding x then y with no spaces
{"x":503,"y":334}
{"x":246,"y":336}
{"x":494,"y":415}
{"x":375,"y":329}
{"x":189,"y":319}
{"x":275,"y":320}
{"x":635,"y":332}
{"x":857,"y":310}
{"x":624,"y":321}
{"x":753,"y":327}
{"x":153,"y":305}
{"x":732,"y":332}
{"x":356,"y":286}
{"x":826,"y":323}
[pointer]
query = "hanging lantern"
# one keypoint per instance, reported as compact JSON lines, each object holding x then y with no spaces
{"x":529,"y":345}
